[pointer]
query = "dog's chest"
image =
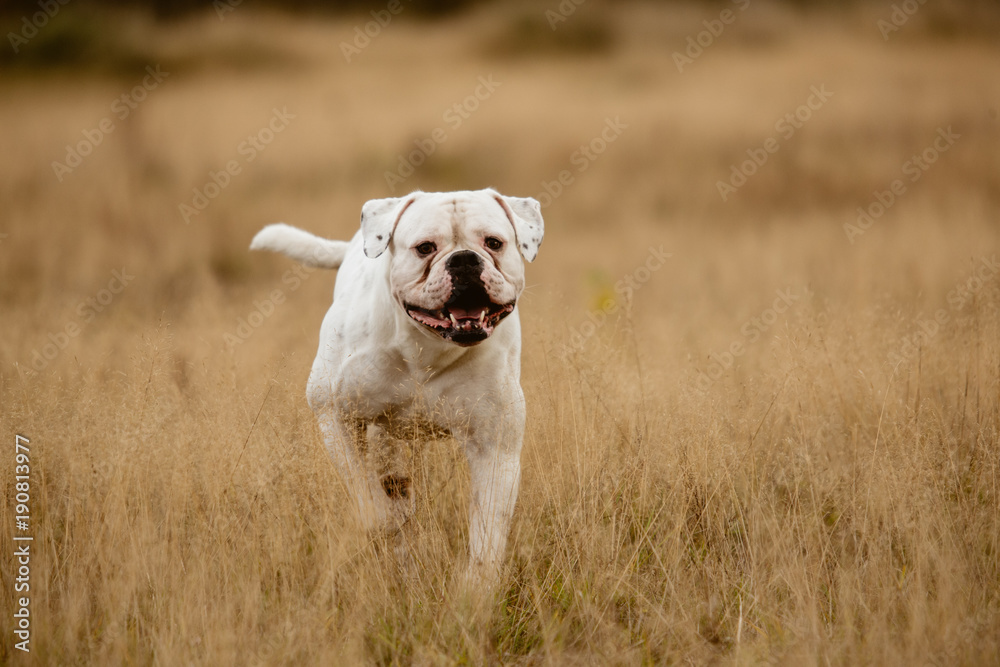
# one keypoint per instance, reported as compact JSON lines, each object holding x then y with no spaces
{"x":374,"y":384}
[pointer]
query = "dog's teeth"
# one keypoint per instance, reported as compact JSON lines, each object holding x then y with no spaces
{"x":482,"y":316}
{"x":454,"y":322}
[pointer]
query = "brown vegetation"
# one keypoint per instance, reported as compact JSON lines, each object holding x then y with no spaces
{"x":830,"y":498}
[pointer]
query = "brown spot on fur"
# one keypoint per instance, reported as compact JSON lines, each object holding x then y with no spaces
{"x":396,"y":487}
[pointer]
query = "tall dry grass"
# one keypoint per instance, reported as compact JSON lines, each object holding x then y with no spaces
{"x":830,"y":499}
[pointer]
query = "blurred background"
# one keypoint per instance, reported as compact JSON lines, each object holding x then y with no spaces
{"x":635,"y":124}
{"x":386,"y":97}
{"x":768,"y":287}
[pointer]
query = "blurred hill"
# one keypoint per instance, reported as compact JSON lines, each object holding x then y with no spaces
{"x":963,"y":10}
{"x":120,"y":37}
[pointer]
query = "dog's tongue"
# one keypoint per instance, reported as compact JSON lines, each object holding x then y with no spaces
{"x":463,"y":314}
{"x":427,"y":318}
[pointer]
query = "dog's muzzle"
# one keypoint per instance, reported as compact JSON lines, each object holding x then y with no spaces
{"x":469,"y":315}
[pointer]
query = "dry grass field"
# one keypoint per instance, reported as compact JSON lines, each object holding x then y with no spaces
{"x":781,"y":447}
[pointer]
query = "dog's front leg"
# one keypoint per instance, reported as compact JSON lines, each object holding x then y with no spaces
{"x":495,"y":475}
{"x":345,"y":442}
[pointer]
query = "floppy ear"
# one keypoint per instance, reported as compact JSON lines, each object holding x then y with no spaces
{"x":525,"y":214}
{"x":378,"y":221}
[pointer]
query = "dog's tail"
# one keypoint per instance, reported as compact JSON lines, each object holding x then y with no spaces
{"x":301,"y":246}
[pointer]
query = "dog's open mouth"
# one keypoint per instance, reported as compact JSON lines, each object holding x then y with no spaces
{"x":463,"y":321}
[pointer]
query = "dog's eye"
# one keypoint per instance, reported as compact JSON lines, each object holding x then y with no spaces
{"x":425,"y":248}
{"x":493,"y":243}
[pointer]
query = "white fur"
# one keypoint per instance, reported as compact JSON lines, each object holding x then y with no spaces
{"x":378,"y":373}
{"x":301,"y":246}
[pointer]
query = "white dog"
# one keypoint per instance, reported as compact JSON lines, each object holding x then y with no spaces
{"x":424,"y":331}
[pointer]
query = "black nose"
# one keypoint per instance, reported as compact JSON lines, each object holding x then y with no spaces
{"x":463,"y":259}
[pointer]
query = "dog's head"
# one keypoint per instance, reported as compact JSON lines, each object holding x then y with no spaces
{"x":456,"y":266}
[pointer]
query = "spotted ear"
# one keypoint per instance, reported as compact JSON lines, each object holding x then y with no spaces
{"x":378,"y":221}
{"x":525,"y":214}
